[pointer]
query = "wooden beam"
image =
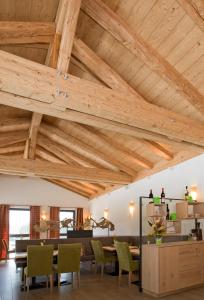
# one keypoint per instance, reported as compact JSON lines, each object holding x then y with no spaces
{"x":57,"y":56}
{"x":19,"y":147}
{"x":34,"y":168}
{"x":82,"y":147}
{"x":116,"y":26}
{"x":29,"y":152}
{"x":11,"y":138}
{"x":101,"y":69}
{"x":159,"y":149}
{"x":98,"y":140}
{"x":44,"y":154}
{"x":101,"y":123}
{"x":87,"y":97}
{"x":12,"y":32}
{"x":68,"y":33}
{"x":135,"y":157}
{"x":51,"y":61}
{"x":65,"y":154}
{"x":195,"y":10}
{"x":14,"y":124}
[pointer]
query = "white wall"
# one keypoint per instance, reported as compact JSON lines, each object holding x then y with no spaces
{"x":15,"y":190}
{"x":173,"y":180}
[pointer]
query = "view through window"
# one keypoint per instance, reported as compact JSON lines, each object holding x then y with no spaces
{"x":69,"y":214}
{"x":19,"y":225}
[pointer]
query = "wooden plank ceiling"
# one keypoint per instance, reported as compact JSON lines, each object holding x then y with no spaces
{"x":95,"y":94}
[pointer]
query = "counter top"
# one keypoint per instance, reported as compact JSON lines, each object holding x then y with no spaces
{"x":171,"y":244}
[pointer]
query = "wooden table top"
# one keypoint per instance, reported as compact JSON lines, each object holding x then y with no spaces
{"x":134,"y":250}
{"x":21,"y":255}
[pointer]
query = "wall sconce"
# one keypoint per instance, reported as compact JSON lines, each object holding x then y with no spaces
{"x":194,"y":192}
{"x":106,"y":213}
{"x":131,"y":208}
{"x":43,"y":217}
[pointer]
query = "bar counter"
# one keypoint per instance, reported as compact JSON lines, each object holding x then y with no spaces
{"x":172,"y":267}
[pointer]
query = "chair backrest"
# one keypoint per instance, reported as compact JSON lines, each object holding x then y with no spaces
{"x":69,"y":257}
{"x":39,"y":260}
{"x":98,"y":251}
{"x":124,"y":255}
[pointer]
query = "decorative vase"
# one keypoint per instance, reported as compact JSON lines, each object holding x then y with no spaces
{"x":158,"y":240}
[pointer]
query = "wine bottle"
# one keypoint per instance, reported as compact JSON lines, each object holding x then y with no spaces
{"x":162,"y":195}
{"x":151,"y":196}
{"x":186,"y":193}
{"x":167,"y":212}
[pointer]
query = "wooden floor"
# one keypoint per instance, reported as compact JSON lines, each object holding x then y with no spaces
{"x":92,"y":288}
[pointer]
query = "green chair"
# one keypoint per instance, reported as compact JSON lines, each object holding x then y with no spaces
{"x":68,"y":260}
{"x":39,"y":263}
{"x":126,"y":262}
{"x":100,"y":257}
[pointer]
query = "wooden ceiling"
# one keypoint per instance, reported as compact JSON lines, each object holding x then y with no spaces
{"x":97,"y":94}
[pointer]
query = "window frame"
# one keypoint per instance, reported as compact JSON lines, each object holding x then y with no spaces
{"x":62,"y":235}
{"x":24,"y":235}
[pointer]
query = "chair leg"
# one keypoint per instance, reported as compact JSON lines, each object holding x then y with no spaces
{"x":59,"y":276}
{"x":27,"y":284}
{"x":102,"y":270}
{"x":78,"y":278}
{"x":95,"y":268}
{"x":120,"y":277}
{"x":72,"y":279}
{"x":129,"y":278}
{"x":51,"y":282}
{"x":47,"y":282}
{"x":24,"y":282}
{"x":91,"y":266}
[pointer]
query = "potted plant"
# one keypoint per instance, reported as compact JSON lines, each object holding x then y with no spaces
{"x":158,"y":229}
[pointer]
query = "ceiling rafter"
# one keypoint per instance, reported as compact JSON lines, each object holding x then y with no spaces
{"x":34,"y":168}
{"x":159,"y":150}
{"x":75,"y":143}
{"x":99,"y":140}
{"x":12,"y":32}
{"x":13,"y":137}
{"x":116,"y":26}
{"x":132,"y":155}
{"x":70,"y":157}
{"x":14,"y":124}
{"x":44,"y":154}
{"x":66,"y":154}
{"x":18,"y":147}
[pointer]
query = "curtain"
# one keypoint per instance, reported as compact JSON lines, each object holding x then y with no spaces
{"x":80,"y":218}
{"x":54,"y":216}
{"x":34,"y":220}
{"x":4,"y":228}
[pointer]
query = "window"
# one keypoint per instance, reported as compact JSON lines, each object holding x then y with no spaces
{"x":19,"y":225}
{"x":69,"y":214}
